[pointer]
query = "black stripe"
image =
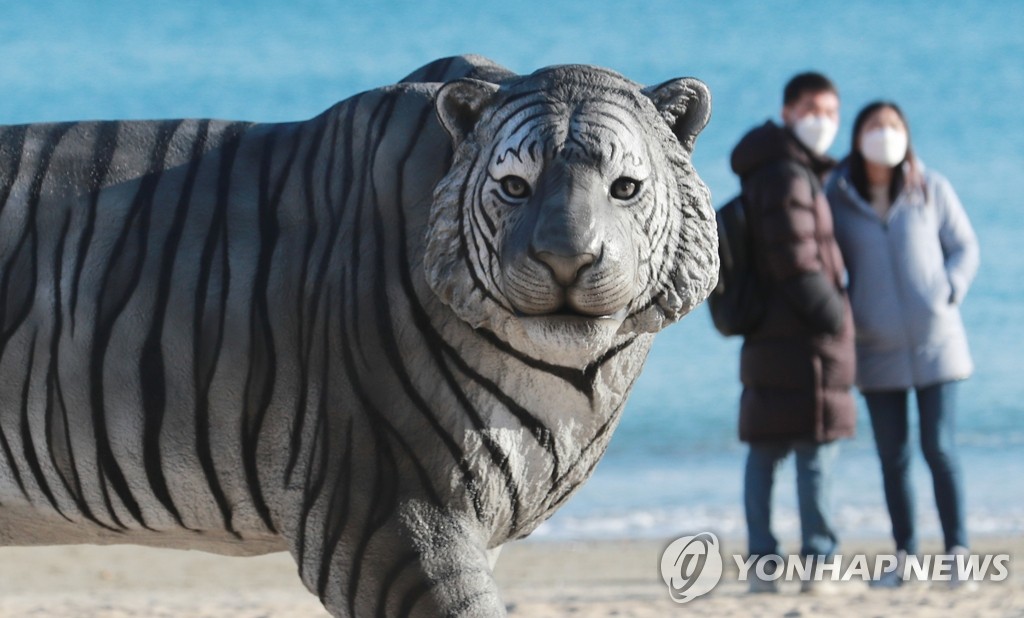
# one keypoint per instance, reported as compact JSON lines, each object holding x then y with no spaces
{"x":573,"y":149}
{"x":117,"y":285}
{"x":305,"y":339}
{"x":400,"y":563}
{"x":378,"y":422}
{"x":151,"y":369}
{"x":367,"y":194}
{"x":262,"y":369}
{"x":351,"y":282}
{"x":390,"y":346}
{"x":534,"y":425}
{"x":648,"y":304}
{"x":385,"y":333}
{"x":581,"y":380}
{"x":56,"y":409}
{"x":261,"y":376}
{"x":491,"y":252}
{"x":334,"y":223}
{"x":319,"y":452}
{"x":28,"y":446}
{"x":11,"y":464}
{"x":77,"y":494}
{"x":553,"y":500}
{"x":206,"y":345}
{"x":16,"y":301}
{"x":481,"y":213}
{"x":14,"y":309}
{"x":558,"y":494}
{"x":492,"y":229}
{"x":337,"y":513}
{"x":500,"y":129}
{"x":464,"y":243}
{"x":381,"y":509}
{"x":391,"y":577}
{"x":606,"y":114}
{"x":489,"y":249}
{"x":102,"y":155}
{"x":330,"y":205}
{"x":52,"y":375}
{"x":22,"y":302}
{"x":435,"y":343}
{"x":413,"y":595}
{"x":29,"y":240}
{"x":439,"y":70}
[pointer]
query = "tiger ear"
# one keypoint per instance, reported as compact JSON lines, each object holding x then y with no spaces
{"x":685,"y":103}
{"x":459,"y":104}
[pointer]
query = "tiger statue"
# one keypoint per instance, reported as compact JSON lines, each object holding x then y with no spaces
{"x":387,"y":339}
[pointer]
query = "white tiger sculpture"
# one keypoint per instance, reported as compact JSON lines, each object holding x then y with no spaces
{"x":388,"y":339}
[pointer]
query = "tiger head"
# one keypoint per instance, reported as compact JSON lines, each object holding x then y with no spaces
{"x":571,"y":218}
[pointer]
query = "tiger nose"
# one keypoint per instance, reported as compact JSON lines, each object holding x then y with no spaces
{"x":565,"y":268}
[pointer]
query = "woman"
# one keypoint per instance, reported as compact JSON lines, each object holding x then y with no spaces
{"x":911,"y":255}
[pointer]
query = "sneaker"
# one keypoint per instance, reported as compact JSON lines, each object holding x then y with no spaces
{"x":893,"y":578}
{"x":769,"y":584}
{"x":956,"y":582}
{"x":763,"y":586}
{"x":825,"y":587}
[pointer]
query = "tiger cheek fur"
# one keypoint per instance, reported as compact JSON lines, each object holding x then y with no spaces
{"x":323,"y":337}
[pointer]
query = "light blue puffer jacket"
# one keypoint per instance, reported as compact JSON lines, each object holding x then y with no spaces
{"x":908,"y":276}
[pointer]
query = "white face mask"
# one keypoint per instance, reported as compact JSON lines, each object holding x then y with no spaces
{"x":816,"y":132}
{"x":885,"y":146}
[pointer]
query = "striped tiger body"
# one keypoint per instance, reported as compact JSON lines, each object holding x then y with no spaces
{"x":387,"y":339}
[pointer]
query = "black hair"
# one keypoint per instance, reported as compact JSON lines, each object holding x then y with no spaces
{"x":806,"y":82}
{"x":901,"y":174}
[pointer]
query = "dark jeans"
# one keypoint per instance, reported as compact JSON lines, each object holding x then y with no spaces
{"x":813,"y":470}
{"x":889,"y":420}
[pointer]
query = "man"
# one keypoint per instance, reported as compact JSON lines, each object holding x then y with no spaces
{"x":797,"y":365}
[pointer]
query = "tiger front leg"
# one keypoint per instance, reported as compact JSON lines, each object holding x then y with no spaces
{"x":418,"y":561}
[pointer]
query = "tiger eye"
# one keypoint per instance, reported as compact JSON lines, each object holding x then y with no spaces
{"x":515,"y":187}
{"x":625,"y":188}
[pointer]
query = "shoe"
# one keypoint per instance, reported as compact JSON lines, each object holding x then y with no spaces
{"x":769,"y":584}
{"x":763,"y":586}
{"x":893,"y":578}
{"x":957,"y":581}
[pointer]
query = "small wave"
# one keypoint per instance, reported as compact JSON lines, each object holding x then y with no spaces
{"x":729,"y":523}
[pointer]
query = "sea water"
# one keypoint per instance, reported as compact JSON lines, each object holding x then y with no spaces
{"x":675,"y":464}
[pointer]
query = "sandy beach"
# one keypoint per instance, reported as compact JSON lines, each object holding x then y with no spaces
{"x":538,"y":579}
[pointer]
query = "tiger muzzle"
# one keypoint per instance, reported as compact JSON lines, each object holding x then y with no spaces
{"x":565,"y":269}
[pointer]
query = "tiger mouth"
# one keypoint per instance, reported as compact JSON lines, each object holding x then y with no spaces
{"x":569,"y":314}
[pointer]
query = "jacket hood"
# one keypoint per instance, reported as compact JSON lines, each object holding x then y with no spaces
{"x":770,"y":143}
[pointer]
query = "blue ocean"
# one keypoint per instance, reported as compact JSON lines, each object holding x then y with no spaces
{"x":675,"y":464}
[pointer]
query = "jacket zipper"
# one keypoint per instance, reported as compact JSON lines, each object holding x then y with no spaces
{"x":900,"y":287}
{"x":893,"y":263}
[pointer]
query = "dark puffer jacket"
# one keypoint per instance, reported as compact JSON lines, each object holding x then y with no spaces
{"x":798,"y":366}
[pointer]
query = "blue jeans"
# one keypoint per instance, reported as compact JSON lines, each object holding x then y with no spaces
{"x":936,"y":407}
{"x":813,"y":471}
